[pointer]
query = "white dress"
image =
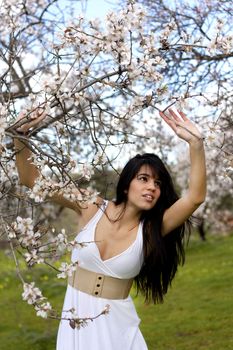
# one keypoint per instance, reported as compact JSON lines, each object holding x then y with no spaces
{"x":119,"y":329}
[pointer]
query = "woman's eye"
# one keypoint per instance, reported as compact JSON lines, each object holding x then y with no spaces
{"x":142,"y":178}
{"x":158,"y":183}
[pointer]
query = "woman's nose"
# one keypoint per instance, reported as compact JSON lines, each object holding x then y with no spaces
{"x":151,"y":185}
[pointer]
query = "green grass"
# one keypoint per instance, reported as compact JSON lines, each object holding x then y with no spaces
{"x":196,"y":314}
{"x":20,"y":328}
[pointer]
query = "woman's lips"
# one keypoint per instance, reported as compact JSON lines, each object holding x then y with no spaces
{"x":148,"y":197}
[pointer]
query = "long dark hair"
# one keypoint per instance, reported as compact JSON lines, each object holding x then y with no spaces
{"x":162,"y":254}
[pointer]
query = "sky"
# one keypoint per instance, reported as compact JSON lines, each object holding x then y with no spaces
{"x":96,"y":8}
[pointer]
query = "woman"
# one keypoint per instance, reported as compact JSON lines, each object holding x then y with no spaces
{"x":137,"y":237}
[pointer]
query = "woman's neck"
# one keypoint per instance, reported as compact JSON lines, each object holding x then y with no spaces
{"x":123,"y":215}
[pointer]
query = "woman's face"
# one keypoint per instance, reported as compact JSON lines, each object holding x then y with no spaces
{"x":144,"y":189}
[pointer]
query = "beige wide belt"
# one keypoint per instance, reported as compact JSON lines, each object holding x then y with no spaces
{"x":100,"y":285}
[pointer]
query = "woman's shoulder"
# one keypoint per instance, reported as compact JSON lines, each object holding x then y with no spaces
{"x":88,"y":211}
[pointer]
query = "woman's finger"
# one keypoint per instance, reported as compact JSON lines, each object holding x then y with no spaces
{"x":183,"y":115}
{"x":30,"y":120}
{"x":168,"y":120}
{"x":174,"y":115}
{"x":36,"y":120}
{"x":37,"y":113}
{"x":165,"y":117}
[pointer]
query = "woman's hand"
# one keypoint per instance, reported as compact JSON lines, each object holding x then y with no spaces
{"x":182,"y":126}
{"x":25,"y":122}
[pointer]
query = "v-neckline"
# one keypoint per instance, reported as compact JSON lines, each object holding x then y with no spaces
{"x":94,"y":240}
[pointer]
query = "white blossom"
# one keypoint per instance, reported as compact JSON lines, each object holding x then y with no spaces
{"x":66,"y":270}
{"x":61,"y":241}
{"x":25,"y":232}
{"x":91,"y":196}
{"x":87,"y":171}
{"x":3,"y":122}
{"x":43,"y":309}
{"x":100,"y":158}
{"x":213,"y":134}
{"x":226,"y":43}
{"x":33,"y":257}
{"x":31,"y":294}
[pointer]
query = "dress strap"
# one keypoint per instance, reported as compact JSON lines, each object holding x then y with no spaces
{"x":101,"y":210}
{"x":97,"y":215}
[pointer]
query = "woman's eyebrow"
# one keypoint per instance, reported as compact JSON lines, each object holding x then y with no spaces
{"x":148,"y":175}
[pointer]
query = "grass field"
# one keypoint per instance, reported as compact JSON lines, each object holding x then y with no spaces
{"x":197,"y":313}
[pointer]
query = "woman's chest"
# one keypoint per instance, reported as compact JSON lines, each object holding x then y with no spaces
{"x":123,"y":262}
{"x":112,"y":241}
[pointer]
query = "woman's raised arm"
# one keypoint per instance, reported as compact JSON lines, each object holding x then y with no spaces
{"x":183,"y":208}
{"x":28,"y":172}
